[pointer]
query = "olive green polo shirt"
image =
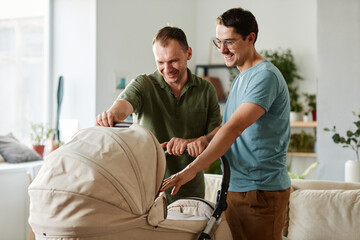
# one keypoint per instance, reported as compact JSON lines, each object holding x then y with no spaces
{"x":195,"y":113}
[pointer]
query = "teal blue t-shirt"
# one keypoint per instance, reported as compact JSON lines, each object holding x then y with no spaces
{"x":257,"y":158}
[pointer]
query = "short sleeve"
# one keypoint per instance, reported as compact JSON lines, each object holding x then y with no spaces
{"x":262,"y":89}
{"x":133,"y":94}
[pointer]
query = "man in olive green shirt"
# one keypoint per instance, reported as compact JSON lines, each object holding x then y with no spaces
{"x":178,"y":107}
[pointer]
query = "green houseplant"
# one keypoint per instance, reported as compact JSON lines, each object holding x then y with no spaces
{"x":302,"y":142}
{"x":304,"y":174}
{"x":351,"y":140}
{"x":311,"y":101}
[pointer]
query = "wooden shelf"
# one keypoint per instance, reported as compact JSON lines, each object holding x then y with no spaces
{"x":303,"y":124}
{"x":301,"y":154}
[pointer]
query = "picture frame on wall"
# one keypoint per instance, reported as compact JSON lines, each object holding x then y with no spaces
{"x":120,"y":81}
{"x":215,"y":57}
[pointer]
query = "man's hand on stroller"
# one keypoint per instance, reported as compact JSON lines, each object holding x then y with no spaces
{"x":105,"y":119}
{"x":196,"y":147}
{"x":176,"y":146}
{"x":118,"y":112}
{"x":179,"y":179}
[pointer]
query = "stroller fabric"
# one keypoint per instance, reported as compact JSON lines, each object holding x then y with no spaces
{"x":104,"y":184}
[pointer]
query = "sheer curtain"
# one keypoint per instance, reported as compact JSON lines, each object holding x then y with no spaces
{"x":22,"y":88}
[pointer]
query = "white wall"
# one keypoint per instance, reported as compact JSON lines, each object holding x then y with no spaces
{"x":125,"y":30}
{"x":282,"y":24}
{"x":339,"y":82}
{"x":74,"y":57}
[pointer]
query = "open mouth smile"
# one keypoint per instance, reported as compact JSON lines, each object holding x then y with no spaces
{"x":228,"y":56}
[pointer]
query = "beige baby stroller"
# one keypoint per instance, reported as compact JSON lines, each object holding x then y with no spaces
{"x":104,"y":184}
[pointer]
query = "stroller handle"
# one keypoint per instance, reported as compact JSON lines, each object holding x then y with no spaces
{"x":221,"y":204}
{"x":122,"y":124}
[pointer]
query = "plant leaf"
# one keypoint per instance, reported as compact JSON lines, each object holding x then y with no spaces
{"x":307,"y":171}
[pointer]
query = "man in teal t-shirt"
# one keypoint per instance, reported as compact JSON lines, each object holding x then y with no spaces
{"x":254,"y":135}
{"x":258,"y":156}
{"x":178,"y":107}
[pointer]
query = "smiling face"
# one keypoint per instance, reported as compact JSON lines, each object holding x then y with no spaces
{"x":233,"y":47}
{"x":171,"y":61}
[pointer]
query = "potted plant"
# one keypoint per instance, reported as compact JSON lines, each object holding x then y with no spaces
{"x":311,"y":101}
{"x":39,"y":134}
{"x":301,"y":142}
{"x":295,"y":106}
{"x":351,"y":140}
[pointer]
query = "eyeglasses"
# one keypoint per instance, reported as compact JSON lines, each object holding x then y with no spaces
{"x":226,"y":43}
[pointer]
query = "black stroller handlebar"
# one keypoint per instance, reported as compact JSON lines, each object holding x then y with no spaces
{"x":122,"y":124}
{"x":221,"y":204}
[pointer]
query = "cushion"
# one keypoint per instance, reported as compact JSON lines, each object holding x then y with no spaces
{"x":212,"y":185}
{"x":324,"y":214}
{"x":192,"y":206}
{"x":15,"y":152}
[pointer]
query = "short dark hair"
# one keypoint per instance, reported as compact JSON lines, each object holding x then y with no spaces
{"x":243,"y":21}
{"x":170,"y":32}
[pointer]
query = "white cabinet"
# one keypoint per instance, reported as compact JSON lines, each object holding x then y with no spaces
{"x":14,"y":199}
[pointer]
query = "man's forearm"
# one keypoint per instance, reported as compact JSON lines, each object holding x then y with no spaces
{"x":121,"y":109}
{"x":219,"y":144}
{"x":210,"y":135}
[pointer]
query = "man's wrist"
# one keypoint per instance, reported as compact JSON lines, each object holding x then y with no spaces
{"x":193,"y":168}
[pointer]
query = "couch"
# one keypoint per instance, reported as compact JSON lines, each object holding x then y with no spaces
{"x":318,"y":210}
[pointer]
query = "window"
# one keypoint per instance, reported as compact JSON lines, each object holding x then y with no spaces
{"x":22,"y":84}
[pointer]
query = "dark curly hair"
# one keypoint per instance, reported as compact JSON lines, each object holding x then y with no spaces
{"x":243,"y":21}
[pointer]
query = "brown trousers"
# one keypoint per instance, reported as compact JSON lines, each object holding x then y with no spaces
{"x":257,"y":215}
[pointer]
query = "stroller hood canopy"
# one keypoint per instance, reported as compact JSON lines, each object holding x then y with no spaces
{"x":112,"y":172}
